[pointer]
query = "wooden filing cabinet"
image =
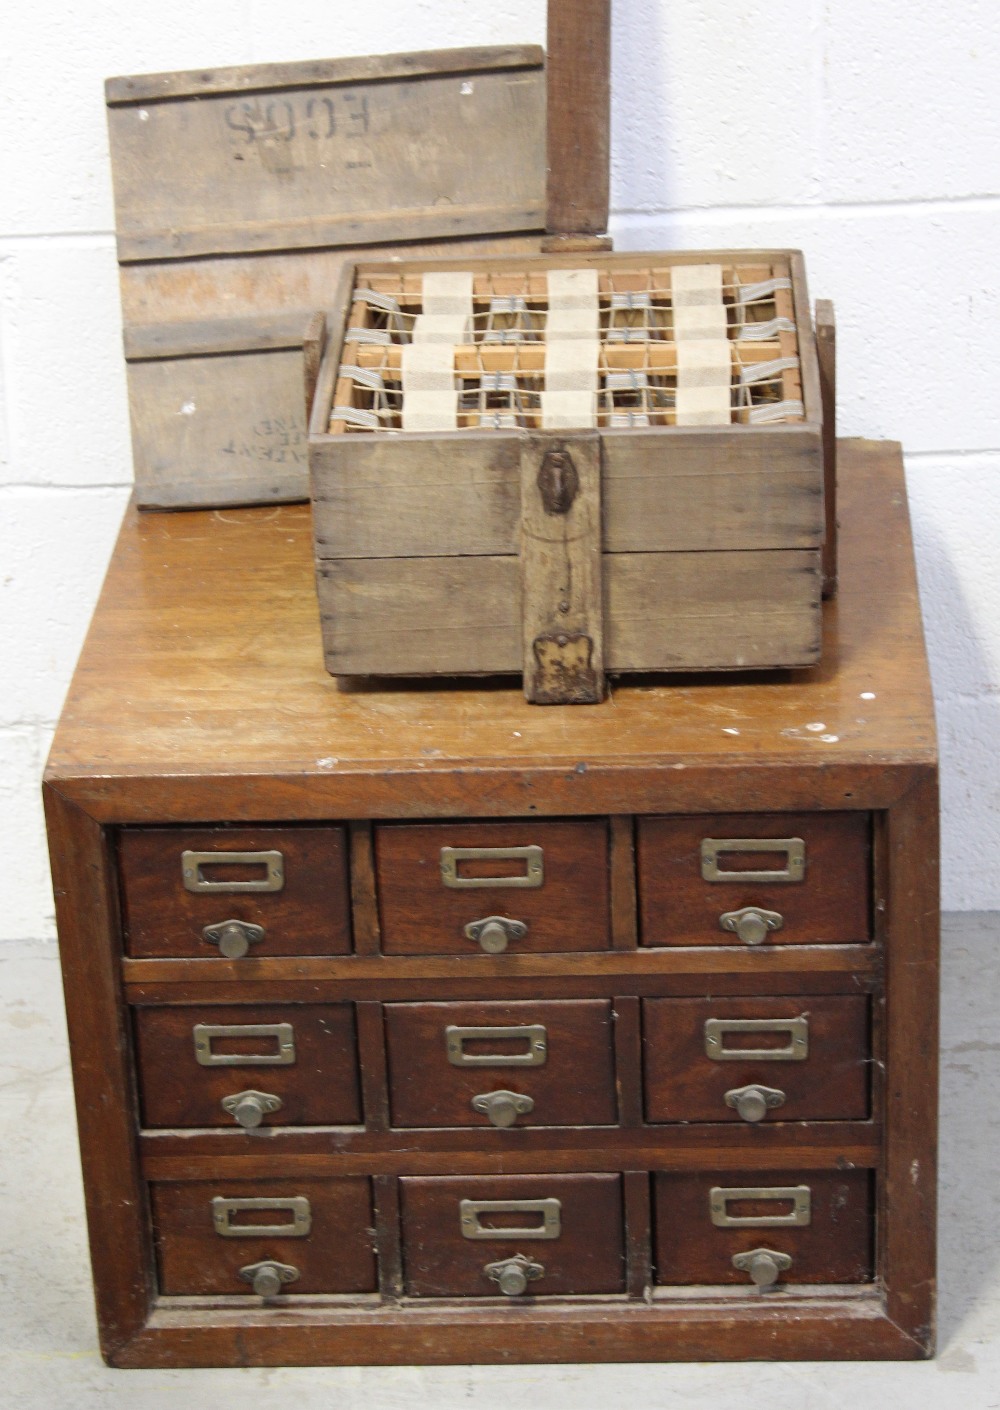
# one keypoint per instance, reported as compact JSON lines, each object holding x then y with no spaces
{"x":422,"y":1024}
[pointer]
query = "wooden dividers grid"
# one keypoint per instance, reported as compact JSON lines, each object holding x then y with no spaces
{"x":499,"y":374}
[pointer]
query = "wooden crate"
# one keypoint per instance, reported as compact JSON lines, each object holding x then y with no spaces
{"x":629,"y":528}
{"x":239,"y":195}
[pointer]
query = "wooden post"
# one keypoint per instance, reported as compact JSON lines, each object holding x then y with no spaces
{"x":578,"y":85}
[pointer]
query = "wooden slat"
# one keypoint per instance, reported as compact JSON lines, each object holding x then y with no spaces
{"x":364,"y":902}
{"x":624,"y":910}
{"x":638,"y":1233}
{"x":208,"y":430}
{"x":562,"y":628}
{"x":759,"y":490}
{"x":662,"y":611}
{"x":826,"y":347}
{"x":463,"y":220}
{"x":628,"y":1060}
{"x":706,"y":1327}
{"x":259,"y":78}
{"x":387,"y":1239}
{"x":711,"y":611}
{"x":579,"y":98}
{"x":816,"y":1146}
{"x":261,"y":333}
{"x":327,"y":163}
{"x":371,"y":1054}
{"x":313,"y":345}
{"x":529,"y":358}
{"x":908,"y":1200}
{"x":807,"y":969}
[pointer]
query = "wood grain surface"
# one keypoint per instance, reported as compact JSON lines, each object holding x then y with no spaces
{"x":575,"y":1086}
{"x":335,"y":1257}
{"x":587,"y":1257}
{"x":831,"y":905}
{"x":309,"y":915}
{"x":721,"y":611}
{"x":688,"y":496}
{"x":421,"y":916}
{"x":241,"y":167}
{"x":682,"y":1083}
{"x":835,"y":1247}
{"x":171,"y":731}
{"x":321,"y":1087}
{"x":578,"y":45}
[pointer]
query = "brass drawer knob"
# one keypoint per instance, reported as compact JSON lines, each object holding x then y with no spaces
{"x":503,"y":1108}
{"x":249,"y":1108}
{"x":754,"y":1102}
{"x":494,"y":933}
{"x":269,"y":1278}
{"x":514,"y":1274}
{"x":233,"y":937}
{"x":764,"y":1265}
{"x":752,"y":925}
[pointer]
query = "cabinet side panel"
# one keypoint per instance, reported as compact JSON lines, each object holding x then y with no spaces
{"x":86,"y":915}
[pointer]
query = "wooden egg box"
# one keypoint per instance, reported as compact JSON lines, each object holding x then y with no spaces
{"x":566,"y":492}
{"x":240,"y":194}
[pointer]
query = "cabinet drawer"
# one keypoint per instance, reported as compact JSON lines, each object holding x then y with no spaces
{"x":819,"y":1221}
{"x":519,"y":1235}
{"x":211,"y":1237}
{"x":193,"y":1058}
{"x":440,"y":885}
{"x":702,"y":880}
{"x":501,"y":1064}
{"x":793,"y":1059}
{"x":290,"y":883}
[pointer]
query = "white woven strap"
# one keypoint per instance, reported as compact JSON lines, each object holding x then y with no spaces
{"x":450,"y":328}
{"x":572,"y":349}
{"x":704,"y":356}
{"x":430,"y":411}
{"x":567,"y":410}
{"x":430,"y":398}
{"x":449,"y":292}
{"x":571,"y":288}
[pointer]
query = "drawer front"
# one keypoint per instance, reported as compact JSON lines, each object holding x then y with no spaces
{"x":515,"y":1235}
{"x":289,"y":885}
{"x":790,"y":1226}
{"x":271,"y":1064}
{"x":499,"y":888}
{"x":702,"y":881}
{"x":757,"y":1060}
{"x":501,"y":1064}
{"x":212,"y":1237}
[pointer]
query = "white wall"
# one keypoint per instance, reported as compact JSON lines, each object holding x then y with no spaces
{"x":866,"y":133}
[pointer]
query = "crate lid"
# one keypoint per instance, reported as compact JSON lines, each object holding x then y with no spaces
{"x":240,"y":192}
{"x":342,"y":152}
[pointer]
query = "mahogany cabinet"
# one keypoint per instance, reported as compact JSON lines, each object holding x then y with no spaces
{"x":418,"y":1023}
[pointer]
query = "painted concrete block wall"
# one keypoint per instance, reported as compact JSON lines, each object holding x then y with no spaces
{"x":869,"y":135}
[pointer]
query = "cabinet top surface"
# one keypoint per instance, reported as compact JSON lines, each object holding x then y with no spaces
{"x":204,"y":660}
